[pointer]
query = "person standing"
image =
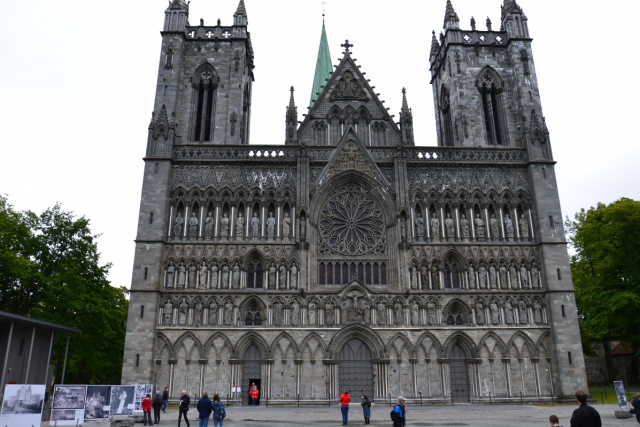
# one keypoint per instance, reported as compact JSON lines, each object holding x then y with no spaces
{"x":146,"y":409}
{"x":254,"y":393}
{"x":554,"y":421}
{"x":204,"y":407}
{"x":157,"y":405}
{"x":399,"y":413}
{"x":636,"y":406}
{"x":218,"y":412}
{"x":165,"y":399}
{"x":184,"y":407}
{"x":345,"y":399}
{"x":366,"y":408}
{"x":585,"y":415}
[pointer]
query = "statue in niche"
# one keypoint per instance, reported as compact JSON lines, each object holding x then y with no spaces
{"x":522,"y":311}
{"x":495,"y":229}
{"x":303,"y":227}
{"x":240,"y":227}
{"x":537,"y":312}
{"x":403,"y":229}
{"x":255,"y":227}
{"x":424,"y":273}
{"x":183,"y":312}
{"x":294,"y":276}
{"x":203,"y":276}
{"x":513,"y":276}
{"x":419,"y":227}
{"x":415,"y":313}
{"x":435,"y":228}
{"x":271,"y":227}
{"x":479,"y":313}
{"x":278,"y":313}
{"x":344,"y":312}
{"x":451,"y":230}
{"x":508,"y":313}
{"x":535,"y":280}
{"x":214,"y":276}
{"x":224,"y":227}
{"x":414,"y":276}
{"x":524,"y":276}
{"x":213,"y":314}
{"x":464,"y":225}
{"x":495,"y":313}
{"x":479,"y":228}
{"x":435,"y":277}
{"x":328,"y":313}
{"x":171,"y":271}
{"x":504,"y":284}
{"x":482,"y":277}
{"x":354,"y":310}
{"x":208,"y":227}
{"x":235,"y":276}
{"x":193,"y":227}
{"x":312,"y":314}
{"x":182,"y":275}
{"x":366,"y":312}
{"x":197,"y":314}
{"x":431,"y":313}
{"x":272,"y":276}
{"x":228,"y":313}
{"x":192,"y":275}
{"x":283,"y":276}
{"x":178,"y":224}
{"x":295,"y":314}
{"x":286,"y":228}
{"x":225,"y":276}
{"x":508,"y":227}
{"x":493,"y":276}
{"x":524,"y":228}
{"x":398,"y":316}
{"x":472,"y":276}
{"x":167,"y":315}
{"x":381,"y":313}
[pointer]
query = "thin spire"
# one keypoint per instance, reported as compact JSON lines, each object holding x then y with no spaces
{"x":241,"y":9}
{"x":451,"y":19}
{"x":323,"y":66}
{"x":292,"y":103}
{"x":434,"y":43}
{"x":405,"y":104}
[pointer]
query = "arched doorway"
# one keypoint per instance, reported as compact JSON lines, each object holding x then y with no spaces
{"x":459,"y":375}
{"x":250,"y":372}
{"x":355,"y":367}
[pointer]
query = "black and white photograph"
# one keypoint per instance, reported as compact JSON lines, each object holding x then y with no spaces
{"x":97,"y":402}
{"x":141,"y":391}
{"x":122,"y":399}
{"x":69,"y":397}
{"x":22,"y":405}
{"x":63,"y":415}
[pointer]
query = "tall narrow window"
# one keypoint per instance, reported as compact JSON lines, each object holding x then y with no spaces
{"x":564,"y":313}
{"x":559,"y":274}
{"x":551,"y":221}
{"x":142,"y":311}
{"x":151,"y":218}
{"x":146,"y":271}
{"x":137,"y":360}
{"x":445,"y":106}
{"x":490,"y":86}
{"x":570,"y":361}
{"x":157,"y":168}
{"x":204,"y":83}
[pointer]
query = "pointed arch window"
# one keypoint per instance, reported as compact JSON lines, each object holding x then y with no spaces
{"x":490,"y":86}
{"x":204,"y":83}
{"x":255,"y":273}
{"x":253,"y":317}
{"x":451,"y":276}
{"x":447,"y":125}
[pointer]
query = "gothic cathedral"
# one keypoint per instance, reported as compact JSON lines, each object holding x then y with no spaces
{"x":353,"y":256}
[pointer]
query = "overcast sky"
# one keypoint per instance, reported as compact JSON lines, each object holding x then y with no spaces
{"x":77,"y":81}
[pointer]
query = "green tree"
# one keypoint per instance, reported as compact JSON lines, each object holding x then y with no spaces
{"x":606,"y":273}
{"x":50,"y":270}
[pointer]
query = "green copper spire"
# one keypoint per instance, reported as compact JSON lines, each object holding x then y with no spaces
{"x":323,"y":66}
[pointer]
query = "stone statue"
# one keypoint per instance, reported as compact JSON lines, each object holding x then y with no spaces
{"x":435,"y":277}
{"x":537,"y":312}
{"x":366,"y":309}
{"x":344,"y":312}
{"x":203,"y":276}
{"x":513,"y":276}
{"x":235,"y":276}
{"x":192,"y":275}
{"x":524,"y":276}
{"x":328,"y":313}
{"x":493,"y":276}
{"x":464,"y":225}
{"x":178,"y":225}
{"x":398,"y":315}
{"x":522,"y":311}
{"x":286,"y":227}
{"x":535,"y":280}
{"x":415,"y":313}
{"x":168,"y":312}
{"x":482,"y":277}
{"x":240,"y":227}
{"x":312,"y":314}
{"x":214,"y":276}
{"x":495,"y":313}
{"x":508,"y":313}
{"x":431,"y":313}
{"x":213,"y":314}
{"x":450,"y":226}
{"x":479,"y":313}
{"x":508,"y":227}
{"x":294,"y":276}
{"x":424,"y":273}
{"x":283,"y":276}
{"x":208,"y":227}
{"x":479,"y":228}
{"x":381,"y":313}
{"x":403,"y":229}
{"x":224,"y":227}
{"x":295,"y":314}
{"x":183,"y":312}
{"x":193,"y":227}
{"x":472,"y":277}
{"x":303,"y":227}
{"x":228,"y":313}
{"x":524,"y":228}
{"x":504,"y":284}
{"x":197,"y":314}
{"x":225,"y":277}
{"x":419,"y":227}
{"x":271,"y":227}
{"x":495,"y":229}
{"x":255,"y":227}
{"x":414,"y":277}
{"x":182,"y":275}
{"x":171,"y":271}
{"x":435,"y":228}
{"x":272,"y":276}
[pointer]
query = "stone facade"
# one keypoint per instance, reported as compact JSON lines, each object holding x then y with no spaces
{"x":349,"y":257}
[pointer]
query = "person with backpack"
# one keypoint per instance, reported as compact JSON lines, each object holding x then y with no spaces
{"x":157,"y":406}
{"x":399,"y":413}
{"x":636,"y":406}
{"x":165,"y":399}
{"x":146,"y":409}
{"x":184,"y":407}
{"x":366,"y":409}
{"x":345,"y":399}
{"x":204,"y":407}
{"x":219,"y":413}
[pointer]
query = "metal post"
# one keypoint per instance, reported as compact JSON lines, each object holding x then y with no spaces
{"x":33,"y":338}
{"x":6,"y":359}
{"x":298,"y":400}
{"x":46,"y":372}
{"x":601,"y":398}
{"x":66,"y":352}
{"x":552,"y":403}
{"x":521,"y":402}
{"x":420,"y":393}
{"x":490,"y":398}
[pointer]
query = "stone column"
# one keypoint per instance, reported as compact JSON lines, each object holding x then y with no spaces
{"x":298,"y":364}
{"x":201,"y":227}
{"x":427,"y":224}
{"x":279,"y":222}
{"x":428,"y":361}
{"x":172,"y":366}
{"x":263,"y":218}
{"x":507,"y":373}
{"x":457,"y":220}
{"x":472,"y":224}
{"x":216,"y":225}
{"x":169,"y":233}
{"x":186,"y":221}
{"x":536,"y":372}
{"x":491,"y":119}
{"x":414,"y":376}
{"x":533,"y":237}
{"x":232,"y":222}
{"x":516,"y":224}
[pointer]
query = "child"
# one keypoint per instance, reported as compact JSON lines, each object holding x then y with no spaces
{"x":146,"y":409}
{"x":555,"y":422}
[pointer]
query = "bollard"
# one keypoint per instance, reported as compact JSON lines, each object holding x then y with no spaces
{"x":490,"y":398}
{"x":420,"y":393}
{"x":329,"y":399}
{"x":552,"y":403}
{"x":298,"y":400}
{"x":227,"y":399}
{"x":601,"y":398}
{"x":451,"y":399}
{"x":521,"y":402}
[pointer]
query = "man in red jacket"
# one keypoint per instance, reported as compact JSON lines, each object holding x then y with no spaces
{"x":344,"y":406}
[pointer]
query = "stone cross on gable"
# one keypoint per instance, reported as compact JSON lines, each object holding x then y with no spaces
{"x":346,"y":45}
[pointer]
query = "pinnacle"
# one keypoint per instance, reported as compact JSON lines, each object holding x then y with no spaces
{"x":450,"y":17}
{"x":292,"y":103}
{"x":177,"y":4}
{"x":434,"y":44}
{"x":405,"y":104}
{"x":241,"y":8}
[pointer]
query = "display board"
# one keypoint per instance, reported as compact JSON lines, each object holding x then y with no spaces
{"x":22,"y":405}
{"x":622,"y":397}
{"x":68,"y":404}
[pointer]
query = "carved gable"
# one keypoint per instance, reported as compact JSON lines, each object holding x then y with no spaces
{"x":347,"y":88}
{"x":350,"y":159}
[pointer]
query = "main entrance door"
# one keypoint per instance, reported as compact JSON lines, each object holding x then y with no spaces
{"x":250,"y":371}
{"x":459,"y":375}
{"x":355,"y":368}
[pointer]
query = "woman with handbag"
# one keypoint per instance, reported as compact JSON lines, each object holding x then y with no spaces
{"x":366,"y":409}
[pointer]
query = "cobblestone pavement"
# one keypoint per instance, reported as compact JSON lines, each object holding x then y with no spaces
{"x":459,"y":415}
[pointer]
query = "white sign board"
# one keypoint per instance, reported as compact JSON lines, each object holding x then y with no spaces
{"x":22,"y":405}
{"x":622,"y":397}
{"x":68,"y":404}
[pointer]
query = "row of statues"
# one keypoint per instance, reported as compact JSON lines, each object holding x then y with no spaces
{"x":465,"y":233}
{"x":492,"y":315}
{"x":182,"y":318}
{"x":254,"y":225}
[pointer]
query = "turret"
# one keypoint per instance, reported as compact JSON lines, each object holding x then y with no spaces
{"x":406,"y":121}
{"x":451,"y":20}
{"x":435,"y":46}
{"x":291,"y":136}
{"x":514,"y":21}
{"x":240,"y":17}
{"x":176,"y":17}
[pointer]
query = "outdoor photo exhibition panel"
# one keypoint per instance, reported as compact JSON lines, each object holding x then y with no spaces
{"x":22,"y":405}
